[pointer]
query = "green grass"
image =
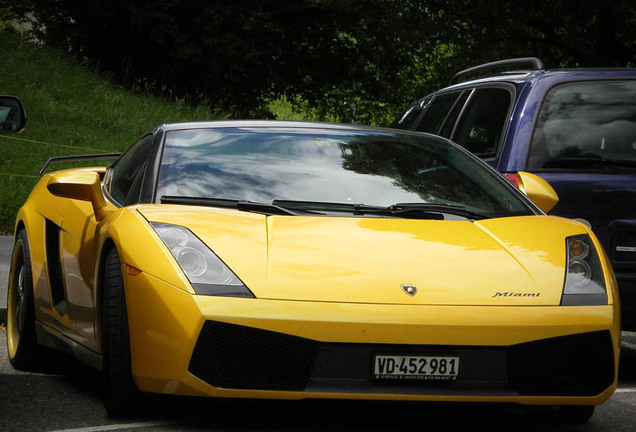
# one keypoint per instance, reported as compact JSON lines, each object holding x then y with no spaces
{"x":70,"y":111}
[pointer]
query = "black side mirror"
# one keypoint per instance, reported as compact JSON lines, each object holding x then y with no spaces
{"x":12,"y":115}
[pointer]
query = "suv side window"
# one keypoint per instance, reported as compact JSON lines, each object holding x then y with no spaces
{"x":436,"y":113}
{"x":127,"y":173}
{"x":451,"y":118}
{"x":408,"y":118}
{"x":586,"y":125}
{"x":482,"y":123}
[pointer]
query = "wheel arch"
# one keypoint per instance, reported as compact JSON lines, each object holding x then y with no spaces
{"x":33,"y":226}
{"x":19,"y":226}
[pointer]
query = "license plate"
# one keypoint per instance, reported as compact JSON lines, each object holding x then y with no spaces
{"x":434,"y":368}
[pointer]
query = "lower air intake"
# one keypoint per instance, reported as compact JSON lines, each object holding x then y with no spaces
{"x":238,"y":357}
{"x":576,"y":365}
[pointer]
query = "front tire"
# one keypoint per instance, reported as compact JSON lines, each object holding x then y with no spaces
{"x":121,"y":396}
{"x":24,"y":352}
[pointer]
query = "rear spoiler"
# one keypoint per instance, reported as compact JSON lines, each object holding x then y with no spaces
{"x":57,"y":159}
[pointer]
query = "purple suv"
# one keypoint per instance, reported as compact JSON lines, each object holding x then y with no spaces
{"x":575,"y":128}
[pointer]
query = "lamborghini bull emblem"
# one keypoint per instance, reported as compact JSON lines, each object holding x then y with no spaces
{"x":409,"y":289}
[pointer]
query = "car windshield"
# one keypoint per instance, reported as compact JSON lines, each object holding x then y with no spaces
{"x":351,"y":167}
{"x":586,"y":125}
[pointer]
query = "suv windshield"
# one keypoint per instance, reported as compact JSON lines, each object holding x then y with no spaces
{"x":262,"y":165}
{"x":586,"y":125}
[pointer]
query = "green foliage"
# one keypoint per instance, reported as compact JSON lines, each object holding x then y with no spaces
{"x":337,"y":60}
{"x":70,"y":111}
{"x":563,"y":33}
{"x":351,"y":60}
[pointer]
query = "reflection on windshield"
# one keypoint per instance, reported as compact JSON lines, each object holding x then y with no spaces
{"x":587,"y":125}
{"x":261,"y":165}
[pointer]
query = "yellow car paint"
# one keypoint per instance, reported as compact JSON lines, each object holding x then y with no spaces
{"x":326,"y":259}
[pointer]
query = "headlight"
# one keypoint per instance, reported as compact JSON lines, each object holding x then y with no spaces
{"x":205,"y":271}
{"x":584,"y":279}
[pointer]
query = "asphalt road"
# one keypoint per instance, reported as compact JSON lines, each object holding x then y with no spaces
{"x":67,"y":398}
{"x":6,"y":247}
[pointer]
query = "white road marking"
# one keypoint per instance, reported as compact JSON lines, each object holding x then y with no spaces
{"x":115,"y":427}
{"x":628,"y":345}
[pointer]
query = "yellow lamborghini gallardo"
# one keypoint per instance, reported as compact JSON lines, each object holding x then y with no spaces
{"x":293,"y":260}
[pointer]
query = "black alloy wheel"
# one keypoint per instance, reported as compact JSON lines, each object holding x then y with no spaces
{"x":24,"y":352}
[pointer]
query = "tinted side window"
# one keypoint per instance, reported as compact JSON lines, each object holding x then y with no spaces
{"x":482,"y":124}
{"x":451,"y":119}
{"x":586,"y":125}
{"x":436,"y":113}
{"x":127,"y":173}
{"x":408,"y":118}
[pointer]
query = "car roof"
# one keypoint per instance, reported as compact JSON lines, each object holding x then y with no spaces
{"x":285,"y":124}
{"x":520,"y":77}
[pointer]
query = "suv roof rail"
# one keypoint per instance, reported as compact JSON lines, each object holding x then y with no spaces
{"x":534,"y":63}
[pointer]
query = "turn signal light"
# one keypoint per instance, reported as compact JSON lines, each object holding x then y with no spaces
{"x":578,"y":249}
{"x":132,"y":271}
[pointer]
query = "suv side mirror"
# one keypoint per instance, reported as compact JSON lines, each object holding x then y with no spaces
{"x":538,"y":190}
{"x":12,"y":115}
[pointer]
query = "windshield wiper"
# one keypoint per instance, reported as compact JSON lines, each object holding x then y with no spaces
{"x":435,"y":208}
{"x":619,"y":164}
{"x":243,"y":205}
{"x":591,"y":163}
{"x":403,"y":210}
{"x":295,"y":208}
{"x":329,"y":206}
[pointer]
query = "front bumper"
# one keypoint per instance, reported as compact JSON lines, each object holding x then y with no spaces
{"x":238,"y":357}
{"x":226,"y":347}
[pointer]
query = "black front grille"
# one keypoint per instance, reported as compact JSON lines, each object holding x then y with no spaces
{"x":576,"y":365}
{"x":238,"y":357}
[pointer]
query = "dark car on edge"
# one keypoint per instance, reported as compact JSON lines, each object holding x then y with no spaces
{"x":12,"y":115}
{"x":575,"y":128}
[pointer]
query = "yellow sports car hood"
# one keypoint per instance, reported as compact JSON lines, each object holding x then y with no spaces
{"x":507,"y":261}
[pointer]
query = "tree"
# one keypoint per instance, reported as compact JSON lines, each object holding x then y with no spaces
{"x":353,"y":60}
